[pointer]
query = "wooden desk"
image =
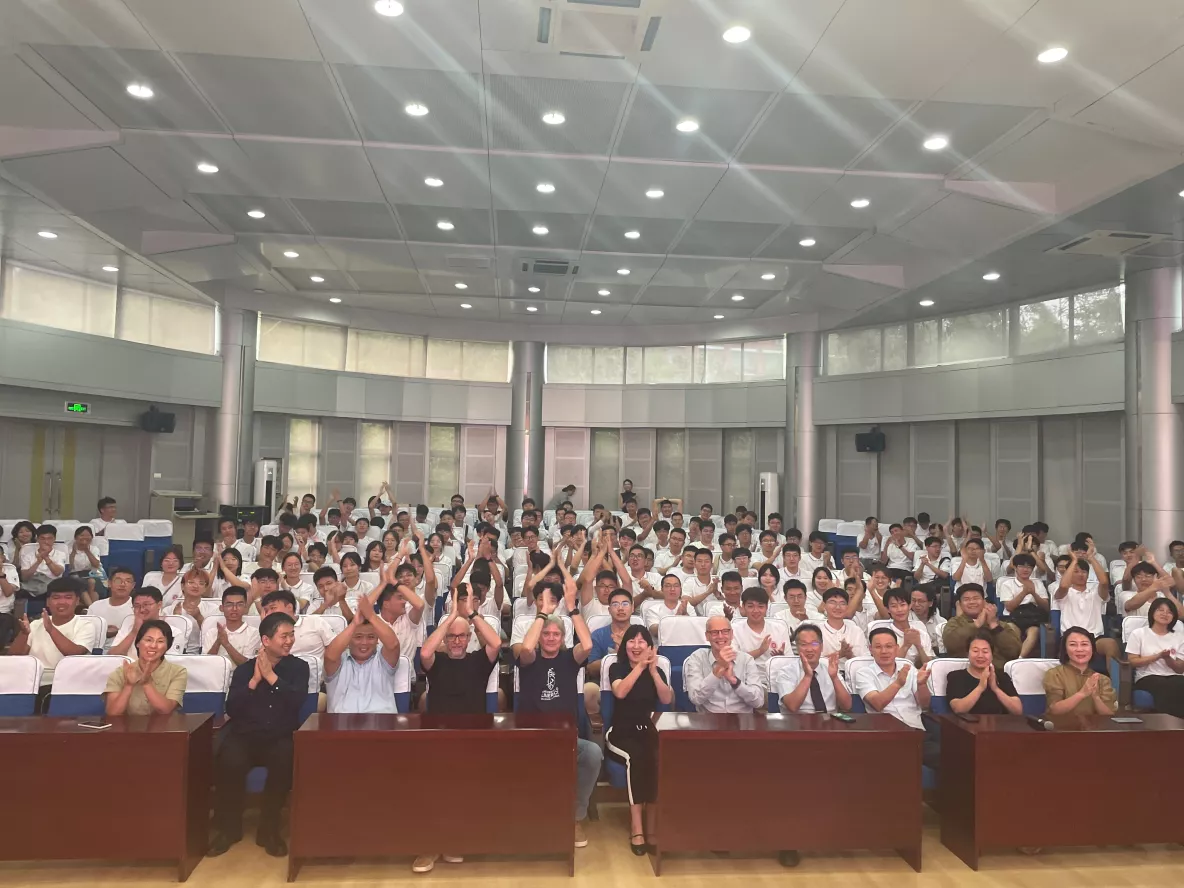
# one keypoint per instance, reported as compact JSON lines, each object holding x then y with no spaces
{"x":383,"y":785}
{"x":787,"y":782}
{"x":74,"y":792}
{"x":1005,"y":784}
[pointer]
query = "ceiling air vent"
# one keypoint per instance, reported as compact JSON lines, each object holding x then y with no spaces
{"x":604,"y":29}
{"x":553,"y":267}
{"x":1108,"y":243}
{"x":468,"y":263}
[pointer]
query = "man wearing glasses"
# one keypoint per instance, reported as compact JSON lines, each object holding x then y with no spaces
{"x":605,"y":641}
{"x":235,"y":639}
{"x":814,"y":686}
{"x":720,"y":678}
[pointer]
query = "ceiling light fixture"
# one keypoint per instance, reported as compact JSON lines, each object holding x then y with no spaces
{"x":633,"y":235}
{"x":316,"y":279}
{"x":554,"y":118}
{"x":860,"y":202}
{"x":737,"y":34}
{"x":545,"y":188}
{"x":768,"y":276}
{"x":389,"y":8}
{"x":256,"y":214}
{"x":936,"y":143}
{"x":531,"y":308}
{"x":335,"y":299}
{"x":718,"y":317}
{"x":112,"y":268}
{"x":48,"y":235}
{"x":737,"y":297}
{"x":207,"y":168}
{"x":807,"y":242}
{"x":433,"y":182}
{"x":416,"y":109}
{"x":465,"y":305}
{"x":1052,"y":55}
{"x":991,"y":276}
{"x":604,"y":292}
{"x":925,"y":303}
{"x":461,"y":285}
{"x":540,"y":230}
{"x":140,"y":90}
{"x":595,"y":311}
{"x":687,"y":125}
{"x":532,"y":289}
{"x":445,"y":225}
{"x":655,"y":194}
{"x":291,"y":254}
{"x":622,"y":271}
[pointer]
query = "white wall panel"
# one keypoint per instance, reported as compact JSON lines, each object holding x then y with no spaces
{"x":478,"y":463}
{"x":567,"y":463}
{"x":1017,"y":473}
{"x":856,"y":477}
{"x":740,"y":478}
{"x":1103,"y":481}
{"x":704,"y":475}
{"x":975,"y":502}
{"x":741,"y":405}
{"x":1060,"y":459}
{"x":895,"y":499}
{"x":932,"y":471}
{"x":339,"y":456}
{"x":637,"y":462}
{"x":409,"y":449}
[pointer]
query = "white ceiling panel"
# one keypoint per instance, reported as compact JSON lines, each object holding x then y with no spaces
{"x":275,"y":29}
{"x":313,"y":171}
{"x":379,"y":97}
{"x":959,"y":224}
{"x":746,"y":194}
{"x":685,"y":271}
{"x":576,"y":183}
{"x":440,"y":35}
{"x":27,"y":100}
{"x":88,"y":180}
{"x":75,"y":22}
{"x":403,"y":172}
{"x":684,"y":187}
{"x":581,"y":313}
{"x":170,"y":160}
{"x":826,"y":131}
{"x":724,"y":116}
{"x":364,"y":255}
{"x":1148,"y":107}
{"x":891,"y":199}
{"x":590,"y":108}
{"x":479,"y":308}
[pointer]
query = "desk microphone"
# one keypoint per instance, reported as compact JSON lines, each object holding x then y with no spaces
{"x":1039,"y":724}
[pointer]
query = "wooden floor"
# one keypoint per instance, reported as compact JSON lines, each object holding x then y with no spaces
{"x":607,"y":863}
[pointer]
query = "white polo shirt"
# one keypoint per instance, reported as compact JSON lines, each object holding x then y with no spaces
{"x":922,"y":630}
{"x":653,"y":611}
{"x":809,"y":563}
{"x":899,"y":557}
{"x":41,"y":645}
{"x":13,"y":578}
{"x":1082,"y":607}
{"x":411,"y":635}
{"x":1122,"y":597}
{"x":745,"y":638}
{"x":928,"y":574}
{"x":872,"y":551}
{"x":974,"y":573}
{"x":1009,"y":587}
{"x":312,"y":634}
{"x":904,"y":705}
{"x":244,"y":639}
{"x":832,"y":638}
{"x":1144,"y":642}
{"x":114,"y":614}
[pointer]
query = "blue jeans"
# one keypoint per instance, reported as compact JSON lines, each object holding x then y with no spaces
{"x":588,"y":759}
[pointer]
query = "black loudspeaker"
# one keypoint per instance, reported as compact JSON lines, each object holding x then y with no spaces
{"x":871,"y":442}
{"x":156,"y":421}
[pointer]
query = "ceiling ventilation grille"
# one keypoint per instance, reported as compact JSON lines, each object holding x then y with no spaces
{"x":553,"y":267}
{"x":1108,"y":243}
{"x":469,"y":263}
{"x":606,"y":29}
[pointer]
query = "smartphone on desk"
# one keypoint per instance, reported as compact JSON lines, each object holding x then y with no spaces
{"x":1126,"y":720}
{"x":843,"y":717}
{"x":95,"y":724}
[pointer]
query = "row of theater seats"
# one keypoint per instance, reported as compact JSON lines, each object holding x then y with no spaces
{"x":123,"y":544}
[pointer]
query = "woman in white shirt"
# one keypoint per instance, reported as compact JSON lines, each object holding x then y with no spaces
{"x":291,"y":580}
{"x":168,"y":578}
{"x":351,"y":575}
{"x":1156,"y":651}
{"x":375,"y":556}
{"x":923,"y":602}
{"x":228,"y":568}
{"x":769,"y":579}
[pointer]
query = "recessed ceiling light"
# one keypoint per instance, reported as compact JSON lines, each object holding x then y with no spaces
{"x":936,"y":143}
{"x":860,"y":202}
{"x":207,"y":168}
{"x":737,"y":297}
{"x":140,"y":90}
{"x":48,"y":235}
{"x":633,"y":235}
{"x":687,"y":125}
{"x":416,"y":109}
{"x":604,"y":292}
{"x":335,"y":299}
{"x":737,"y":34}
{"x":465,"y":305}
{"x":991,"y":276}
{"x":110,"y":268}
{"x":655,"y":194}
{"x":256,"y":214}
{"x":622,"y":271}
{"x":445,"y":225}
{"x":925,"y":303}
{"x":769,"y":276}
{"x":316,"y":278}
{"x":291,"y":254}
{"x":461,"y":285}
{"x":544,"y":188}
{"x":389,"y":8}
{"x":808,"y":241}
{"x":1052,"y":54}
{"x":540,"y":230}
{"x":554,"y":118}
{"x":532,"y":289}
{"x":433,"y":182}
{"x":531,"y":308}
{"x":595,"y":311}
{"x":718,"y":317}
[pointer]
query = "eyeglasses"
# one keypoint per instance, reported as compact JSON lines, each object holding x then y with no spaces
{"x":620,"y":604}
{"x":809,"y":644}
{"x":719,"y":631}
{"x":233,"y":605}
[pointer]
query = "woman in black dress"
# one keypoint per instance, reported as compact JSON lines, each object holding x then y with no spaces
{"x":638,"y":686}
{"x":979,"y":689}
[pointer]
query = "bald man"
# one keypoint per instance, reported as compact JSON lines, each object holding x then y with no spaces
{"x":721,"y":678}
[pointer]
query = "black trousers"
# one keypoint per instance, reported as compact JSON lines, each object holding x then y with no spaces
{"x":635,"y":747}
{"x":236,"y":755}
{"x":1166,"y":690}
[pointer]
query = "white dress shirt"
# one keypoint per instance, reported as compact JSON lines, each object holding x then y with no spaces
{"x":710,"y":693}
{"x":789,"y":679}
{"x":904,"y":705}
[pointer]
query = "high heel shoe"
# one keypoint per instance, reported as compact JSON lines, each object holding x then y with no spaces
{"x":640,"y":850}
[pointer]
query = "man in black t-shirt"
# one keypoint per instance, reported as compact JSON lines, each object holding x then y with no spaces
{"x":456,"y":679}
{"x":548,"y":679}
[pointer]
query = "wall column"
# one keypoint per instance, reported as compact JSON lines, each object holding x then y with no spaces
{"x":1154,"y":433}
{"x":236,"y":414}
{"x":524,"y":441}
{"x":801,"y":501}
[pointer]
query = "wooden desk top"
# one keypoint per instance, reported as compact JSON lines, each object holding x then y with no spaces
{"x":810,"y":723}
{"x":1099,"y":724}
{"x":174,"y":723}
{"x":322,"y":723}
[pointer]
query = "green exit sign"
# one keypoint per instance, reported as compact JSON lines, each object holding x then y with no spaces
{"x":77,"y":407}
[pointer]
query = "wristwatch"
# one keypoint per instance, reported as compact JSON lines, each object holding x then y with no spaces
{"x":540,"y":616}
{"x":574,"y":612}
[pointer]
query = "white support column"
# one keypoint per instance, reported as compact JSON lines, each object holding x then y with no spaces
{"x":524,"y":440}
{"x":236,"y":414}
{"x":802,"y":445}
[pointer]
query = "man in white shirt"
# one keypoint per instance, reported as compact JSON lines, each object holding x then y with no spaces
{"x":840,"y":635}
{"x":768,"y":550}
{"x":670,"y":545}
{"x":721,"y":679}
{"x":1150,"y":582}
{"x":118,"y":606}
{"x":758,"y":637}
{"x":312,"y":633}
{"x":106,"y":517}
{"x":998,"y":542}
{"x":41,"y":564}
{"x":792,"y":567}
{"x":795,"y":597}
{"x":59,"y":633}
{"x":146,"y":605}
{"x":930,"y":564}
{"x":1082,"y":601}
{"x":671,"y":604}
{"x":402,"y":609}
{"x":898,"y":554}
{"x":898,"y":690}
{"x":871,"y":543}
{"x":703,"y":586}
{"x":730,"y":603}
{"x":248,"y":546}
{"x":911,"y":636}
{"x":971,"y":566}
{"x":814,"y":686}
{"x":1025,"y":601}
{"x":817,"y":556}
{"x":233,"y":637}
{"x":641,"y":582}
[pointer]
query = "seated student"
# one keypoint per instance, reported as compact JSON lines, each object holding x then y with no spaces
{"x":195,"y":586}
{"x":768,"y":577}
{"x":912,"y":637}
{"x":547,"y":672}
{"x":870,"y":543}
{"x":263,"y":712}
{"x":638,"y":685}
{"x":329,"y":595}
{"x":818,"y":687}
{"x":970,"y":566}
{"x":1156,"y":651}
{"x":361,"y":663}
{"x":106,"y":508}
{"x":145,"y":606}
{"x":900,"y":691}
{"x":923,"y":601}
{"x":1074,"y":686}
{"x":817,"y":556}
{"x":1082,"y":601}
{"x":978,"y":614}
{"x":730,"y":604}
{"x":233,"y":638}
{"x":840,"y":635}
{"x":117,"y":607}
{"x":168,"y":578}
{"x":1150,"y":582}
{"x":351,"y":575}
{"x":1025,"y":602}
{"x":83,"y":562}
{"x":39,"y":565}
{"x":899,"y":554}
{"x":313,"y":633}
{"x":980,"y":689}
{"x":150,"y":685}
{"x":795,"y":596}
{"x":58,"y":633}
{"x":760,"y":638}
{"x":721,"y":678}
{"x":703,"y":587}
{"x":401,"y":609}
{"x":929,"y":564}
{"x":291,"y":567}
{"x":821,"y":580}
{"x":673,"y":603}
{"x":10,"y":584}
{"x":228,"y":567}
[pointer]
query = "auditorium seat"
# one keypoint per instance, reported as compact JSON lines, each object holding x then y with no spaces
{"x":100,"y":627}
{"x":257,"y":777}
{"x":939,"y":669}
{"x":678,"y":638}
{"x":207,"y":681}
{"x":403,"y":676}
{"x":1028,"y":678}
{"x":20,"y":680}
{"x":79,"y":682}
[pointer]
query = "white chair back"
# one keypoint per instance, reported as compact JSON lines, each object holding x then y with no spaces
{"x":675,"y":630}
{"x":85,"y":674}
{"x":1028,"y":675}
{"x":522,"y":625}
{"x":1130,"y":624}
{"x":155,"y":527}
{"x":133,"y":532}
{"x":66,"y":530}
{"x":100,"y":629}
{"x":210,"y":607}
{"x":777,"y":607}
{"x":828,"y":525}
{"x":852,"y":529}
{"x":939,"y":671}
{"x":598,"y":622}
{"x":609,"y":659}
{"x":20,"y":675}
{"x":404,"y":673}
{"x":314,"y":672}
{"x":182,"y":625}
{"x":788,"y":668}
{"x":207,"y":673}
{"x":336,"y":621}
{"x":520,"y":608}
{"x":370,"y":576}
{"x":101,"y":547}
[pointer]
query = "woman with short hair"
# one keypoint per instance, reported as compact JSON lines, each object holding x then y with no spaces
{"x":150,"y":685}
{"x":1156,"y":651}
{"x":979,"y":689}
{"x":1074,"y":686}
